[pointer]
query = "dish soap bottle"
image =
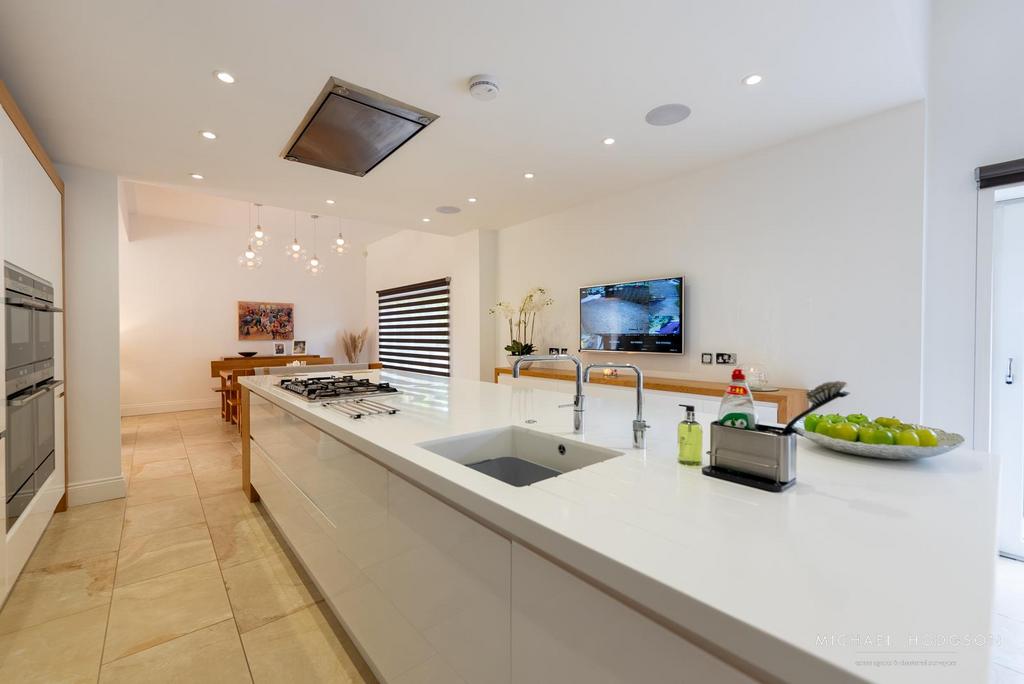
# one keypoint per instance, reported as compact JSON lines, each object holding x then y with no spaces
{"x":691,"y":439}
{"x":737,"y":409}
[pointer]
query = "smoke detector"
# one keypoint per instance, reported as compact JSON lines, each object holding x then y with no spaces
{"x":484,"y":87}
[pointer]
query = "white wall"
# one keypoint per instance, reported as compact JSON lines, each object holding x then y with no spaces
{"x":412,"y":256}
{"x":91,"y":253}
{"x":805,"y":258}
{"x":180,"y":285}
{"x":975,"y":116}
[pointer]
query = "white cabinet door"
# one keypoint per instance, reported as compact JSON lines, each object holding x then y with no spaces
{"x":564,"y":630}
{"x":450,"y":582}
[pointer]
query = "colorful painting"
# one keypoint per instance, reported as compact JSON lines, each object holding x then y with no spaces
{"x":266,"y":321}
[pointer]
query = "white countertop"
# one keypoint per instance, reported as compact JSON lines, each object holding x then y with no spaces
{"x":861,"y":566}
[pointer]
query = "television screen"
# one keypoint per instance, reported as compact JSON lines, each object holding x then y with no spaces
{"x":642,"y":316}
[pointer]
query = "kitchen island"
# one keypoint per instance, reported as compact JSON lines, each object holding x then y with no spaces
{"x":630,"y":569}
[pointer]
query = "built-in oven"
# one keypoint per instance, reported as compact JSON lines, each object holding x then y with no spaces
{"x":31,"y":387}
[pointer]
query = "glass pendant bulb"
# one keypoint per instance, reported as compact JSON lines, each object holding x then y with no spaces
{"x":260,"y":237}
{"x":314,"y":266}
{"x":294,"y":251}
{"x":250,"y":259}
{"x":339,"y":245}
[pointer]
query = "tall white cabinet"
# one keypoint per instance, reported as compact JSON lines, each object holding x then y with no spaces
{"x":31,"y":236}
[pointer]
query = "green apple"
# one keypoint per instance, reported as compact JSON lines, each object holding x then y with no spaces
{"x":857,"y":418}
{"x":811,"y":421}
{"x":908,"y":438}
{"x":823,"y":427}
{"x":834,"y":418}
{"x":888,"y":422}
{"x":866,"y":432}
{"x":845,"y":431}
{"x":883,"y":435}
{"x":928,"y":437}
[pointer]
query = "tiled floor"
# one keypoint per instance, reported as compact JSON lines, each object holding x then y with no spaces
{"x":184,"y":580}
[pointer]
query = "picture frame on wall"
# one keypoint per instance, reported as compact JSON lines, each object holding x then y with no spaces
{"x":298,"y":347}
{"x":279,"y":349}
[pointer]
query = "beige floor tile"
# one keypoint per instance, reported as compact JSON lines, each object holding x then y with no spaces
{"x":155,"y":419}
{"x":65,"y":649}
{"x":222,"y":456}
{"x":168,"y":453}
{"x":198,"y":414}
{"x":243,"y":541}
{"x":157,"y":610}
{"x":163,"y":515}
{"x":303,"y":647}
{"x":158,"y":554}
{"x":76,"y":514}
{"x":217,"y":482}
{"x":158,"y":469}
{"x":209,"y":438}
{"x":161,"y":489}
{"x":212,"y":654}
{"x":58,"y":591}
{"x":76,"y":541}
{"x":228,"y":508}
{"x":266,"y":589}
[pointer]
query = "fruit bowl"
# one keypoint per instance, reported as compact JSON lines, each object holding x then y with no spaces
{"x":891,"y":452}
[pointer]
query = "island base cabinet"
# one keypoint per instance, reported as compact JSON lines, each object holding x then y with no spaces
{"x":566,"y":630}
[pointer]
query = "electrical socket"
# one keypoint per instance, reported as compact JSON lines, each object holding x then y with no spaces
{"x":725,"y":358}
{"x":707,"y":358}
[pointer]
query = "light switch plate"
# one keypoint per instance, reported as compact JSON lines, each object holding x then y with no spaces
{"x":707,"y":358}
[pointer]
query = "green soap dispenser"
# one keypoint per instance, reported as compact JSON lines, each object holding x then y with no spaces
{"x":691,"y":439}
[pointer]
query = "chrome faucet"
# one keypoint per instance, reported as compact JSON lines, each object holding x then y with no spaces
{"x":639,"y":424}
{"x":577,"y":403}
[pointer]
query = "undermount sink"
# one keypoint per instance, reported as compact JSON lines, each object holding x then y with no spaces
{"x":518,"y":456}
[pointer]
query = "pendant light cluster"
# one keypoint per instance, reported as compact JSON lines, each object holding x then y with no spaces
{"x":258,"y":237}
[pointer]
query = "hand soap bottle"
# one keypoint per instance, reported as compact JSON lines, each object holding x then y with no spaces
{"x":691,"y":439}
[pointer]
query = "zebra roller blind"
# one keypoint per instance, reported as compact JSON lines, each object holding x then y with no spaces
{"x":412,"y":327}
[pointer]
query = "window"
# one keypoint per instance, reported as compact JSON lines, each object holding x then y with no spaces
{"x":412,"y":327}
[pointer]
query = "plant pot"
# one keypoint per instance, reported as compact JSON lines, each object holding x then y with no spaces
{"x":512,"y":359}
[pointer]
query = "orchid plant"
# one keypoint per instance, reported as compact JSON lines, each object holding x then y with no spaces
{"x":522,"y":320}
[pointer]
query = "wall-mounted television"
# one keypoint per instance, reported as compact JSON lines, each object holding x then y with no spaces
{"x":638,"y":316}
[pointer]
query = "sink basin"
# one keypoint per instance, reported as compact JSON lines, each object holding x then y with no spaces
{"x":518,"y":456}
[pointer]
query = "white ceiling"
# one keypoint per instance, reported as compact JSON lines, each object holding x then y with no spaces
{"x":127,"y":86}
{"x":220,"y":213}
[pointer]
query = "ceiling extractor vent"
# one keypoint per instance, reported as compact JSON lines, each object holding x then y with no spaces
{"x":352,"y":129}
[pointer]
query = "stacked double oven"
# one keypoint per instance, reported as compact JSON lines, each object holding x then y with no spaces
{"x":31,"y":388}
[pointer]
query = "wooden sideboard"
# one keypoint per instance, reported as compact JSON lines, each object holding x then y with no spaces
{"x":789,"y":401}
{"x":249,"y":362}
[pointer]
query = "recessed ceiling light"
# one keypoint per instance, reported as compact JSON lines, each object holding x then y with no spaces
{"x":224,"y":77}
{"x":425,"y":219}
{"x":197,"y":176}
{"x":752,"y":79}
{"x":471,"y":200}
{"x":667,"y":114}
{"x":527,"y":175}
{"x":447,"y":209}
{"x":209,"y":135}
{"x":329,"y":201}
{"x":609,"y":141}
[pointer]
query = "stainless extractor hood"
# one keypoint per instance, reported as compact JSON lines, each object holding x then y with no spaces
{"x":352,"y":129}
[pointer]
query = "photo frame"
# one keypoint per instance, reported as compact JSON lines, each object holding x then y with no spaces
{"x":279,"y":349}
{"x":299,"y":348}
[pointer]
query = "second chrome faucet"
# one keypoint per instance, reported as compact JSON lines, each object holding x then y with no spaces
{"x":639,"y":424}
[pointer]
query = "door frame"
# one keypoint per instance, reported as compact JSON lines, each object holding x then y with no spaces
{"x":1011,"y":470}
{"x":983,"y":277}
